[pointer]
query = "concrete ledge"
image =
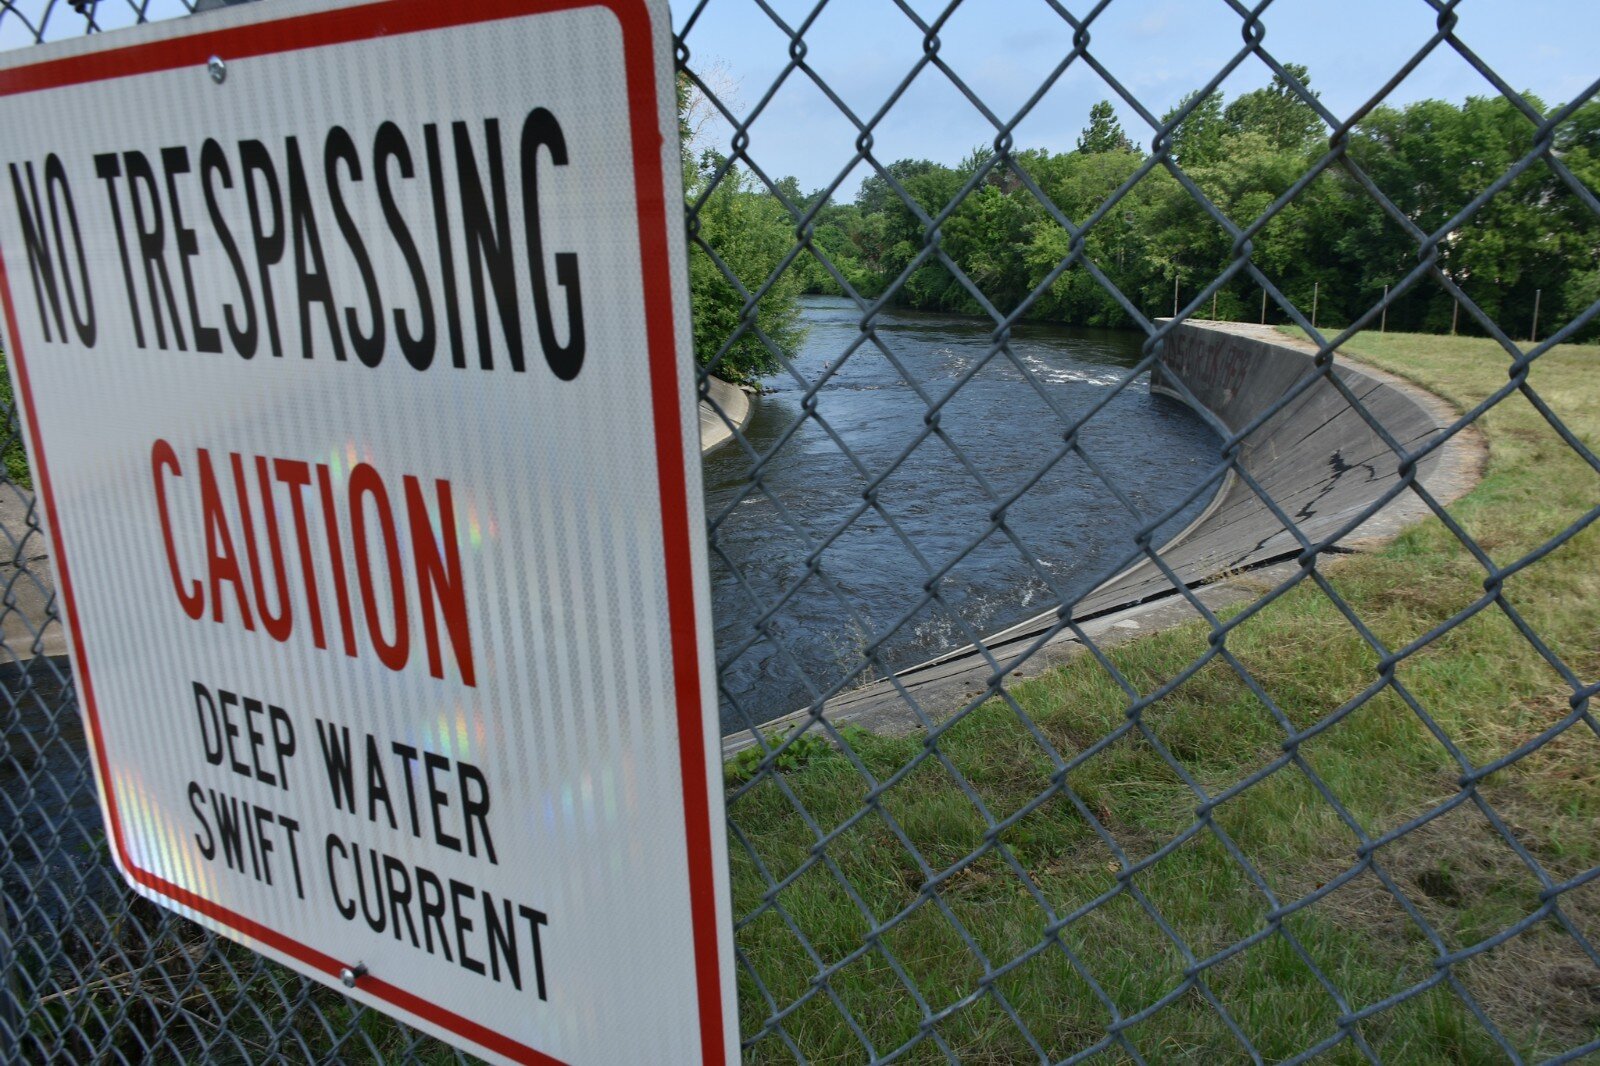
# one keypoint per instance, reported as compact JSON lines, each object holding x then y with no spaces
{"x":725,"y":408}
{"x":1318,"y":459}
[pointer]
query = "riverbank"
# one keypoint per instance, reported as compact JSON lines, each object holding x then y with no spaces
{"x":1483,"y":684}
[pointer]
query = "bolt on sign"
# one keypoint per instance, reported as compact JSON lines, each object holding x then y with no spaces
{"x":352,"y":346}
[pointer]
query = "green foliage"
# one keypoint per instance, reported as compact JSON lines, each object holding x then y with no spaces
{"x":1104,"y":132}
{"x":804,"y":750}
{"x":1429,"y":158}
{"x":743,"y":314}
{"x":1199,"y":137}
{"x":877,"y":196}
{"x":13,"y":455}
{"x":1278,"y":113}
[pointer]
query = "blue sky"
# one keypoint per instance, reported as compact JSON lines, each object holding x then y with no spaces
{"x":1158,"y":49}
{"x":1003,"y":49}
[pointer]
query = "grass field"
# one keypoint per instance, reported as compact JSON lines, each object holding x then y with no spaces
{"x":1481,"y":683}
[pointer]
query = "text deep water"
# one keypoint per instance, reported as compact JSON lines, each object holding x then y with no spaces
{"x":268,"y":584}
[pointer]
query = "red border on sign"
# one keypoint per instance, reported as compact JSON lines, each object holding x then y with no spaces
{"x":389,"y":18}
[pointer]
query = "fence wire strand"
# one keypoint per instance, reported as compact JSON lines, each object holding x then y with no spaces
{"x":89,"y":972}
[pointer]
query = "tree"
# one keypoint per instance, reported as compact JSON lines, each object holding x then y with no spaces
{"x":877,"y":195}
{"x":789,"y":188}
{"x":749,"y":231}
{"x":1104,"y":132}
{"x":1431,"y":158}
{"x":1198,"y":139}
{"x":1278,"y":112}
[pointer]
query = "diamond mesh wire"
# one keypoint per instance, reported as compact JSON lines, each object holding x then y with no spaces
{"x":908,"y":965}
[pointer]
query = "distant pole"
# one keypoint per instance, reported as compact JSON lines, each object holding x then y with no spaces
{"x":1534,"y":336}
{"x":1174,"y":296}
{"x":1383,"y":326}
{"x":1454,"y":314}
{"x":1263,"y":307}
{"x":1316,"y":294}
{"x":1213,"y":307}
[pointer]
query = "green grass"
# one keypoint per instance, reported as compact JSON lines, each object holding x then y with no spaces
{"x":1482,"y":683}
{"x":12,"y":455}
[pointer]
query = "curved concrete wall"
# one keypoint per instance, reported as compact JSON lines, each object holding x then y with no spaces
{"x":1317,"y":458}
{"x":731,"y":404}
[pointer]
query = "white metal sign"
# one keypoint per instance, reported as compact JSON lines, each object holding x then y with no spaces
{"x":352,"y":342}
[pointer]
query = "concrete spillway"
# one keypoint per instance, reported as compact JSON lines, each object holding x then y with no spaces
{"x":1318,"y":458}
{"x":725,"y":403}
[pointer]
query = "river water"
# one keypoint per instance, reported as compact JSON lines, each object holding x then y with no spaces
{"x":871,"y":576}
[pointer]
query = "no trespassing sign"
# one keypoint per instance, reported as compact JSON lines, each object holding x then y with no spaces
{"x":351,"y":343}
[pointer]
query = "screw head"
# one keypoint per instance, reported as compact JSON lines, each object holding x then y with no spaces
{"x":351,"y":974}
{"x":218,"y":69}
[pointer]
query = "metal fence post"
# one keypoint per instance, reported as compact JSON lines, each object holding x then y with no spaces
{"x":1533,"y":333}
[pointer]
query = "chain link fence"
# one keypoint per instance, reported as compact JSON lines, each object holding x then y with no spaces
{"x":1347,"y":807}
